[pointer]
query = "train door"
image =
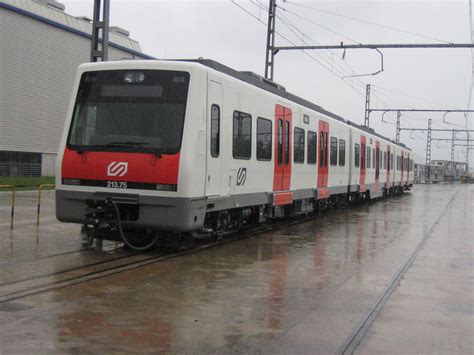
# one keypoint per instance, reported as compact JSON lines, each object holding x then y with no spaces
{"x":388,"y":167}
{"x":377,"y":166}
{"x":363,"y":152}
{"x":323,"y":169}
{"x":282,"y":170}
{"x":214,"y":131}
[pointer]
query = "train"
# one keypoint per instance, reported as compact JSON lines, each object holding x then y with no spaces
{"x":192,"y":146}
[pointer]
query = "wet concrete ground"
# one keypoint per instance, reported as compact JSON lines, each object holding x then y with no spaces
{"x":303,"y":289}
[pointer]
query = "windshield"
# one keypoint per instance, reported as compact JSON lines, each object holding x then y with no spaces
{"x":139,"y":108}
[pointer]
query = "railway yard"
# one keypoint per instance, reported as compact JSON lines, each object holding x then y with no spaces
{"x":393,"y":276}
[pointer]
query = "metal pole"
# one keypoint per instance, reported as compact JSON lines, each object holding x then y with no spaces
{"x":270,"y":53}
{"x":100,"y":31}
{"x":397,"y":136}
{"x":453,"y":138}
{"x":367,"y":105}
{"x":428,"y":153}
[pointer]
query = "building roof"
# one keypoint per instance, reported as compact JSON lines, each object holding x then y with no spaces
{"x":50,"y":12}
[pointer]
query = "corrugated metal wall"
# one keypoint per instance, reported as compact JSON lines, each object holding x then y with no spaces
{"x":37,"y":66}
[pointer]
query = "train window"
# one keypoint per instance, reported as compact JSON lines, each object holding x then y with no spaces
{"x":306,"y":119}
{"x":215,"y":129}
{"x":391,"y":161}
{"x":342,"y":152}
{"x":333,"y":156}
{"x":242,"y":136}
{"x":322,"y":150}
{"x":264,"y":139}
{"x":287,"y":142}
{"x":312,"y":147}
{"x":298,"y":145}
{"x":356,"y":155}
{"x":384,"y":165}
{"x":369,"y":152}
{"x":280,"y":141}
{"x":373,"y":158}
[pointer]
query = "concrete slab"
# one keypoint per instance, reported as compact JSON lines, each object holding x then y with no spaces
{"x":302,"y":289}
{"x":432,"y":310}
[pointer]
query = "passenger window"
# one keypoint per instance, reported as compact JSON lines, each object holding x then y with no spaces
{"x":373,"y":158}
{"x":342,"y":152}
{"x":333,"y":156}
{"x":215,"y":131}
{"x":323,"y":149}
{"x":264,"y":139}
{"x":369,"y":152}
{"x":280,"y":141}
{"x":356,"y":155}
{"x":298,"y":145}
{"x":242,"y":135}
{"x":312,"y":147}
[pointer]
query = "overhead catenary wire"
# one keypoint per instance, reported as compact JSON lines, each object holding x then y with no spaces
{"x":302,"y":37}
{"x":367,"y":22}
{"x":293,"y":43}
{"x":333,"y":53}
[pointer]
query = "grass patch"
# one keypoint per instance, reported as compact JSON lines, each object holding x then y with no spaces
{"x":26,"y":183}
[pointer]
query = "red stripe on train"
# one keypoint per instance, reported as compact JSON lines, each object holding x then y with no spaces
{"x":140,"y":167}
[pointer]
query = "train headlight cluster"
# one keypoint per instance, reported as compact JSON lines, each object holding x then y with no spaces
{"x":75,"y":182}
{"x":134,"y":77}
{"x":166,"y":187}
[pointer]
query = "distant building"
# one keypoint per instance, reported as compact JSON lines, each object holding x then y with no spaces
{"x":40,"y":48}
{"x":440,"y":171}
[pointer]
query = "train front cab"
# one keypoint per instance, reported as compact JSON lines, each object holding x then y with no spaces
{"x":130,"y":137}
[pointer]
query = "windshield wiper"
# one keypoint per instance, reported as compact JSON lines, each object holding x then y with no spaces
{"x":138,"y":145}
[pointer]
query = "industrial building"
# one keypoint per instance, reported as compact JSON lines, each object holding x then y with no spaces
{"x":41,"y":47}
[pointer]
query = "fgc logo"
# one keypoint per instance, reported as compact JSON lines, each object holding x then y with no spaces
{"x":119,"y":168}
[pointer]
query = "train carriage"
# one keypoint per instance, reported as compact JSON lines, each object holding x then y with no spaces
{"x":181,"y":146}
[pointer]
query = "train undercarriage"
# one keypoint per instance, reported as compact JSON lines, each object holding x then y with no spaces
{"x":104,"y":220}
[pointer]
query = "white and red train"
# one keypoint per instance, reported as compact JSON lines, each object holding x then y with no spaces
{"x":181,"y":146}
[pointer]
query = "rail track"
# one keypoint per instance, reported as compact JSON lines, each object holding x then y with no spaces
{"x":24,"y":287}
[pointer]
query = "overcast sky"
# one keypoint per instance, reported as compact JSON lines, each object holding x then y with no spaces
{"x":412,"y":78}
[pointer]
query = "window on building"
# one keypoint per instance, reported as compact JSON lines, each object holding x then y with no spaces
{"x":369,"y":154}
{"x":356,"y":155}
{"x":215,"y":130}
{"x":342,"y":152}
{"x":312,"y":147}
{"x":333,"y":155}
{"x":298,"y":145}
{"x":242,"y":135}
{"x":264,"y":139}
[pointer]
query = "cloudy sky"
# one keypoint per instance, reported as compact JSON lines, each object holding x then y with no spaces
{"x":412,"y":78}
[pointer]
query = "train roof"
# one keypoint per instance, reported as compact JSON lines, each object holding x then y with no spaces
{"x":277,"y":89}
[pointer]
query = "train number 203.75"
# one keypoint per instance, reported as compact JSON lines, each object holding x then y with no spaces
{"x":117,"y":184}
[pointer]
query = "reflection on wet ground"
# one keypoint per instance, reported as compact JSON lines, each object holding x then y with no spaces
{"x":300,"y":289}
